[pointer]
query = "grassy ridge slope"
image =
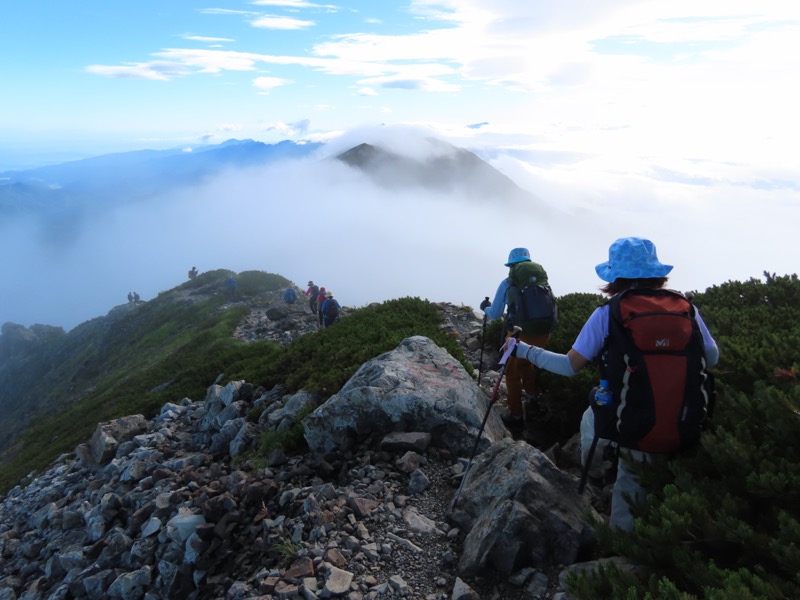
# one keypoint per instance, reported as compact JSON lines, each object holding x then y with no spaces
{"x":179,"y":343}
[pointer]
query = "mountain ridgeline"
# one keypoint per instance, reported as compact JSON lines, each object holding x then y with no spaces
{"x":65,"y":190}
{"x":130,"y":176}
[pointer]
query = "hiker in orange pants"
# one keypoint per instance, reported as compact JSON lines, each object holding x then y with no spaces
{"x":522,"y":375}
{"x":531,"y":307}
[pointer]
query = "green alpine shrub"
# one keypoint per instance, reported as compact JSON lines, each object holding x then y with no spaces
{"x":723,"y":520}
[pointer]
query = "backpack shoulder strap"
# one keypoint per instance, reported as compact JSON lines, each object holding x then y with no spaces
{"x":512,"y":290}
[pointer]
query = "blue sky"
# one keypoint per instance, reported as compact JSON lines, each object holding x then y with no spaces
{"x":671,"y":119}
{"x":689,"y":80}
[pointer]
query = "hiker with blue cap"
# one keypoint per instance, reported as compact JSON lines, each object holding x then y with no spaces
{"x":632,"y":270}
{"x":531,"y":307}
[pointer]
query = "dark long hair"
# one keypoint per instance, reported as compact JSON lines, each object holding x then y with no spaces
{"x":620,"y":284}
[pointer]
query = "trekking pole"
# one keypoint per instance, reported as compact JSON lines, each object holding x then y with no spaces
{"x":483,"y":343}
{"x":510,"y":344}
{"x":589,"y":458}
{"x":595,"y":438}
{"x":484,"y":305}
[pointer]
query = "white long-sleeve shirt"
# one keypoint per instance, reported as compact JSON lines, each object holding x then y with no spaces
{"x":495,"y":311}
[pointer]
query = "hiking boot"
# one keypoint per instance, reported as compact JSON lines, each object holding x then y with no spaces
{"x":512,"y":420}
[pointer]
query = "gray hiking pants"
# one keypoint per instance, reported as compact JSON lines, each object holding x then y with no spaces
{"x":627,"y":488}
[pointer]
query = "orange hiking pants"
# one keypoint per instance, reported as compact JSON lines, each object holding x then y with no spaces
{"x":522,"y":374}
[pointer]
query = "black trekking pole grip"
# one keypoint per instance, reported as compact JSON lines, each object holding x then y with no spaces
{"x":483,"y":343}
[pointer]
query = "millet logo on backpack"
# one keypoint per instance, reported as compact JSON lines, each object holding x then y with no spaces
{"x":662,"y":343}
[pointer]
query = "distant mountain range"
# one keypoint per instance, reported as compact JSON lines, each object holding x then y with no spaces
{"x":56,"y":191}
{"x":134,"y":175}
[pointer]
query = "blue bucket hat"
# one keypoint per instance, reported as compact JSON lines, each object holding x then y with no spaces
{"x":518,"y":255}
{"x":631,"y":258}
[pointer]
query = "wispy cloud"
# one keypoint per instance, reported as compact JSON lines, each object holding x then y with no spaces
{"x":530,"y":46}
{"x":290,"y":130}
{"x":405,"y":82}
{"x":201,"y":38}
{"x":226,"y":11}
{"x":159,"y":71}
{"x":212,"y":61}
{"x":176,"y":62}
{"x":268,"y":83}
{"x":293,"y":4}
{"x":276,"y":22}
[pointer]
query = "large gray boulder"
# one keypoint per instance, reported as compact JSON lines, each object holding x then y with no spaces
{"x":218,"y":399}
{"x":416,"y":387}
{"x":519,"y":509}
{"x":107,"y":438}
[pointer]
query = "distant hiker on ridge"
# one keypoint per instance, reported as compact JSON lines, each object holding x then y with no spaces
{"x":320,"y":299}
{"x":289,"y":295}
{"x":330,"y":310}
{"x":230,"y":285}
{"x":312,"y":292}
{"x":136,"y":297}
{"x":130,"y":297}
{"x":530,"y":306}
{"x":193,"y":273}
{"x":668,"y":393}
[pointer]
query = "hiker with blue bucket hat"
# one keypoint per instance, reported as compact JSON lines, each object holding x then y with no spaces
{"x":531,"y":307}
{"x":632,"y":258}
{"x":633,"y":273}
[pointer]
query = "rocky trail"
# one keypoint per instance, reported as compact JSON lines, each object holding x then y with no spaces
{"x":172,"y":508}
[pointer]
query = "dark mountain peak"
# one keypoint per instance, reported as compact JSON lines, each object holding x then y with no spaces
{"x":369,"y":157}
{"x":441,"y":167}
{"x":360,"y":155}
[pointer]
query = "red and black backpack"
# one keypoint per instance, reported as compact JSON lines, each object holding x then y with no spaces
{"x":654,"y":360}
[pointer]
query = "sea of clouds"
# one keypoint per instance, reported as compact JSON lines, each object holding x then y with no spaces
{"x":322,"y":220}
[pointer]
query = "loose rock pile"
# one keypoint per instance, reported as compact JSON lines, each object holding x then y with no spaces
{"x":165,"y":518}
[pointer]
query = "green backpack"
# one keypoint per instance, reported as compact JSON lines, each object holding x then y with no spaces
{"x":531,"y":304}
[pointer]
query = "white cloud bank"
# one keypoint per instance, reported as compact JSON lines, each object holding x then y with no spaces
{"x":323,"y":221}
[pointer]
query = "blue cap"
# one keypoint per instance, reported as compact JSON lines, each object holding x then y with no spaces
{"x":518,"y":255}
{"x":632,"y":258}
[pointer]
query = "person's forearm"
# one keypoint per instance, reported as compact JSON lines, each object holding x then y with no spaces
{"x":497,"y":307}
{"x":559,"y":364}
